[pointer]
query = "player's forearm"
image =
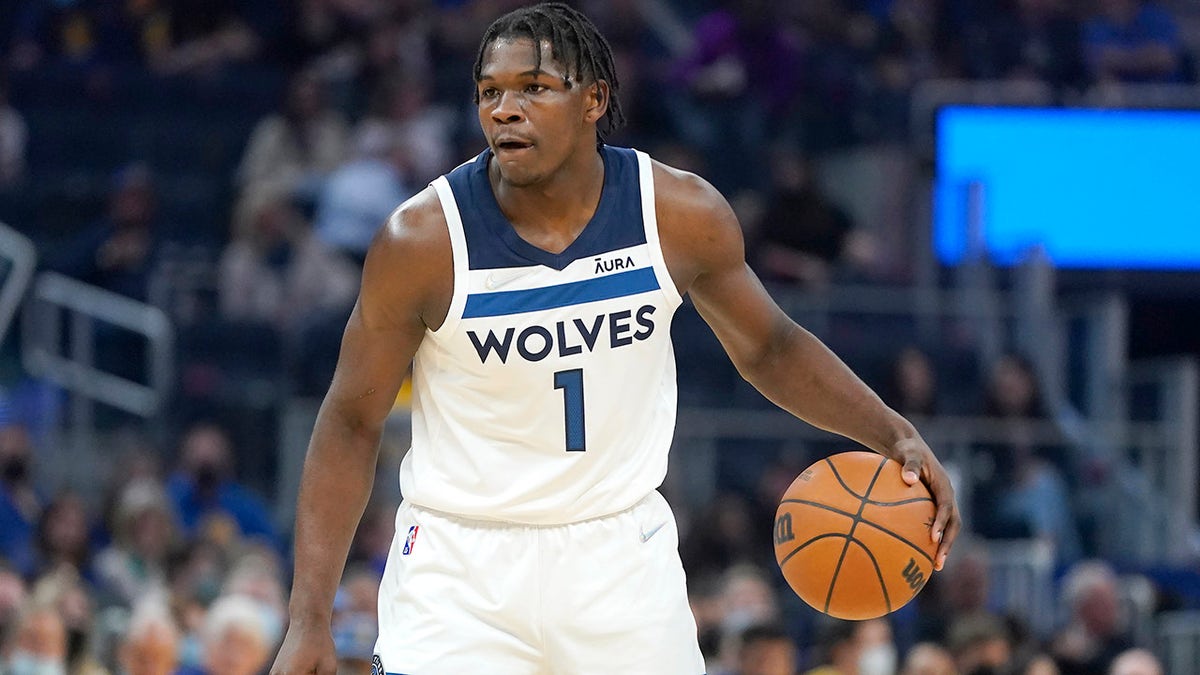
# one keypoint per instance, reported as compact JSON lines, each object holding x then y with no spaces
{"x":803,"y":376}
{"x":338,"y":473}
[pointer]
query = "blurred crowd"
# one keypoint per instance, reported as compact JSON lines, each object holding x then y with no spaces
{"x":341,"y":109}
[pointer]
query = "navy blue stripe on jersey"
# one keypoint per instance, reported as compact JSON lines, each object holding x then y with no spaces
{"x":492,"y":242}
{"x":618,"y":285}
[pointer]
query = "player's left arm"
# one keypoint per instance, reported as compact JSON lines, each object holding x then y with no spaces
{"x":703,"y":244}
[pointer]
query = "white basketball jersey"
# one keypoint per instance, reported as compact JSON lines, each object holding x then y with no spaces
{"x":548,"y":394}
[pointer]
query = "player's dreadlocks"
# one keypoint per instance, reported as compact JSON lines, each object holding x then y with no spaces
{"x":574,"y":42}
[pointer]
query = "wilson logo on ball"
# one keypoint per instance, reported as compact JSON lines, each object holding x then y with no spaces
{"x":783,"y":529}
{"x":913,"y":575}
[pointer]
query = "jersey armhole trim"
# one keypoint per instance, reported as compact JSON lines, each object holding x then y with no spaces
{"x":458,"y":248}
{"x":650,"y":223}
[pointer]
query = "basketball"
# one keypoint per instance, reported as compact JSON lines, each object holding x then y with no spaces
{"x":852,"y":538}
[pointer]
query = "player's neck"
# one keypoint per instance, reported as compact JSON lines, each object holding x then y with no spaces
{"x":558,"y":207}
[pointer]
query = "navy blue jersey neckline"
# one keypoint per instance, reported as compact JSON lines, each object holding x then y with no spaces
{"x":499,"y":224}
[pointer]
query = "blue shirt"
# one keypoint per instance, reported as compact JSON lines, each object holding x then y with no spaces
{"x":245,"y":508}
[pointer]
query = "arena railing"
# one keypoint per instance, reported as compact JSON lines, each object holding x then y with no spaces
{"x":65,"y":355}
{"x":1143,"y":521}
{"x":1178,"y":636}
{"x":18,"y":258}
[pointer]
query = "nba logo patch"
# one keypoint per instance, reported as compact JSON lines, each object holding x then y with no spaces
{"x":377,"y":666}
{"x":410,"y":540}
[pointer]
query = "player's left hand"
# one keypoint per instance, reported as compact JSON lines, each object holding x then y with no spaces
{"x":920,"y":464}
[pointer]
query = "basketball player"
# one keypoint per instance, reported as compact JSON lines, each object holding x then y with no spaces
{"x":532,"y":290}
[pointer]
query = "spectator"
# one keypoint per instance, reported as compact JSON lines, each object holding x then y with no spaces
{"x":980,"y":643}
{"x":725,"y":539}
{"x":135,"y":460}
{"x":1133,"y":41}
{"x":13,"y":596}
{"x":746,"y":599}
{"x":912,"y":389}
{"x":326,"y":36}
{"x":374,"y":537}
{"x":1093,"y":635}
{"x":290,"y":152}
{"x":276,"y":271}
{"x":803,"y":236}
{"x":39,"y":643}
{"x":882,"y":114}
{"x":64,"y":32}
{"x":150,"y":646}
{"x":206,"y":494}
{"x":423,"y":130}
{"x":956,"y":593}
{"x":199,"y":36}
{"x":766,"y":650}
{"x":257,"y":574}
{"x":1021,"y":492}
{"x":64,"y":535}
{"x":704,"y":598}
{"x":928,"y":658}
{"x":1040,"y":664}
{"x":393,"y":47}
{"x":929,"y":33}
{"x":14,"y":134}
{"x":359,"y":195}
{"x":742,"y":75}
{"x":1136,"y":662}
{"x":20,"y":501}
{"x":355,"y":620}
{"x":235,"y":640}
{"x":1034,"y":40}
{"x":64,"y":590}
{"x":195,"y":574}
{"x":856,"y":648}
{"x":144,"y":534}
{"x":119,"y":251}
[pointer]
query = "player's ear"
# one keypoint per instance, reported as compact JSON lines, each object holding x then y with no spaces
{"x":596,"y":101}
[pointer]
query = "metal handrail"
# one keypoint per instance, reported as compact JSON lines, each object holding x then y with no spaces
{"x":22,"y":254}
{"x":1164,"y":524}
{"x":42,"y":340}
{"x":1178,"y":633}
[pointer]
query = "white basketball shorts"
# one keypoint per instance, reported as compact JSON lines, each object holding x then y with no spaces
{"x":599,"y":597}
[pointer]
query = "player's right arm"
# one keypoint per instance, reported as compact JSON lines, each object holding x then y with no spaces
{"x":406,"y":288}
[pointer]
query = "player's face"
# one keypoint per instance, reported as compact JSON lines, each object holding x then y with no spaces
{"x":532,"y":118}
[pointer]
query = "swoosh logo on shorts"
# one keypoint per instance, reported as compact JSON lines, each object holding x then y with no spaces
{"x":653,"y":531}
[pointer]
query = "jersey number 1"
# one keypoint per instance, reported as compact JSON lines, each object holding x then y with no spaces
{"x":571,"y":383}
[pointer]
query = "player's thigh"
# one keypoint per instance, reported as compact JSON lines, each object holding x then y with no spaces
{"x":621,"y":601}
{"x":455,"y":599}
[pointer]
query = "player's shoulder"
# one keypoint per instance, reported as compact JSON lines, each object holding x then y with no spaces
{"x":418,"y":221}
{"x":683,"y":193}
{"x":695,"y":221}
{"x":414,"y":243}
{"x":696,"y":226}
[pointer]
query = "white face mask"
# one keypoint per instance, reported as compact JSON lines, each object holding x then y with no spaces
{"x":877,"y":660}
{"x":24,"y":663}
{"x":272,"y":622}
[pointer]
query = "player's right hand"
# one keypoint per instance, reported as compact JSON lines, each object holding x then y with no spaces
{"x":306,"y":651}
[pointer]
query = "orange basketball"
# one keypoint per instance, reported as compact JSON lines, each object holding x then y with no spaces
{"x":852,"y":538}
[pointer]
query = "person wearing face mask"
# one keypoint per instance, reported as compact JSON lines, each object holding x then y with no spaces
{"x":236,"y":641}
{"x":857,"y":648}
{"x":20,"y":503}
{"x":205,"y":493}
{"x":39,"y":645}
